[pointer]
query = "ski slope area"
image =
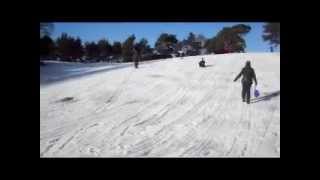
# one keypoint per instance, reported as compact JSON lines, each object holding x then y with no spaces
{"x":168,"y":108}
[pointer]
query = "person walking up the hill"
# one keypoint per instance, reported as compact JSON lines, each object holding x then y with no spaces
{"x":136,"y":56}
{"x":247,"y":74}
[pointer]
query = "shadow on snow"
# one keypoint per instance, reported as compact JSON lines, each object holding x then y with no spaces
{"x":71,"y":76}
{"x":266,"y":97}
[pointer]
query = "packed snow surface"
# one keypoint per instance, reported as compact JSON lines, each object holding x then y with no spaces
{"x":166,"y":108}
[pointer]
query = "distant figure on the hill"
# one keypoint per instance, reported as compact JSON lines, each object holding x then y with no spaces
{"x":271,"y":49}
{"x":247,"y":75}
{"x":136,"y":56}
{"x":202,"y":63}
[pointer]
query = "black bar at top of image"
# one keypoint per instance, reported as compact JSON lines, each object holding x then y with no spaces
{"x":162,"y":18}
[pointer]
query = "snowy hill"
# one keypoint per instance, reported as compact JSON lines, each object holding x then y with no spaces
{"x":168,"y":108}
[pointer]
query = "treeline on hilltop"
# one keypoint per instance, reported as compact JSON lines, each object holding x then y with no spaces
{"x":227,"y":40}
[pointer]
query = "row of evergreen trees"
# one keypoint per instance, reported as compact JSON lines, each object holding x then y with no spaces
{"x":229,"y":39}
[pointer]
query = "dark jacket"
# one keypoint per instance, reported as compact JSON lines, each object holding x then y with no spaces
{"x":202,"y":63}
{"x":136,"y":54}
{"x":247,"y":74}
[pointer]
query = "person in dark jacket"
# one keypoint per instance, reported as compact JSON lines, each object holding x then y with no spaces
{"x":248,"y":75}
{"x":136,"y":56}
{"x":202,"y":63}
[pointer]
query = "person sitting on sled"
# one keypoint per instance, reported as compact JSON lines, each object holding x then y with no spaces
{"x":202,"y":63}
{"x":247,"y":75}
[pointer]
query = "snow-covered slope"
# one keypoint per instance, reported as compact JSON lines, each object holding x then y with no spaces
{"x":168,"y":108}
{"x":55,"y":71}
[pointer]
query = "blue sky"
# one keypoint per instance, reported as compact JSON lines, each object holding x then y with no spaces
{"x":120,"y":31}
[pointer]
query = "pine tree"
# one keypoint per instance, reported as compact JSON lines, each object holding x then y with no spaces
{"x":116,"y":48}
{"x":77,"y":48}
{"x":127,"y":48}
{"x":166,"y":44}
{"x":64,"y":46}
{"x":69,"y":48}
{"x":92,"y":51}
{"x":229,"y":39}
{"x":271,"y":33}
{"x":104,"y":48}
{"x":46,"y":46}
